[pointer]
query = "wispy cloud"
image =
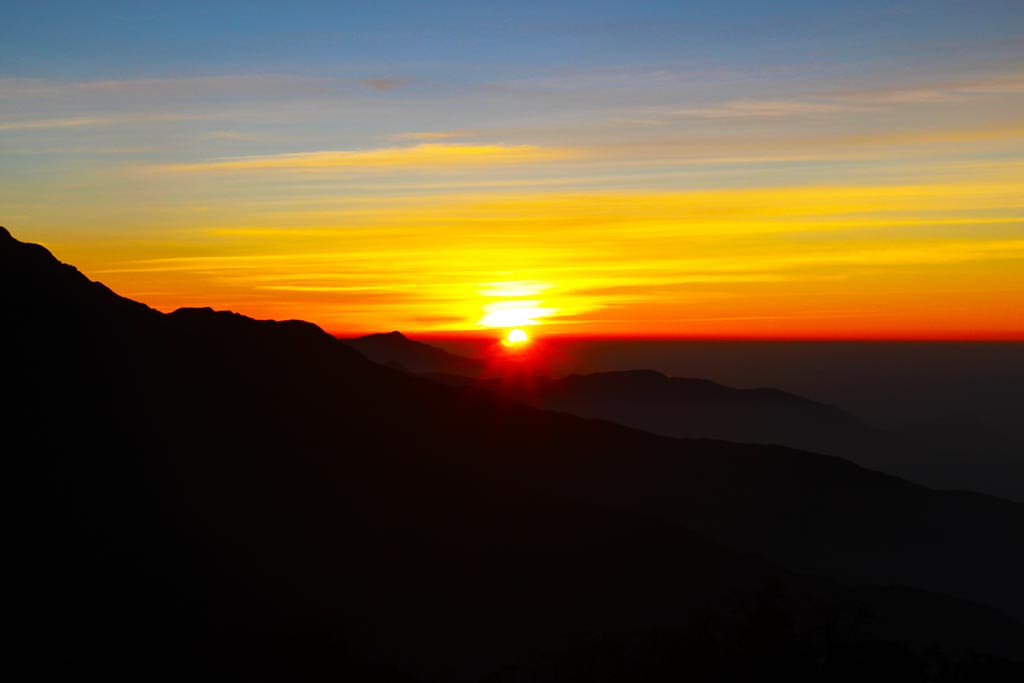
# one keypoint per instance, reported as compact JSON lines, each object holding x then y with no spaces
{"x":837,"y":101}
{"x":951,"y":91}
{"x":84,"y":121}
{"x":434,"y":135}
{"x":244,"y":85}
{"x":38,"y":87}
{"x":233,"y":135}
{"x":423,"y":155}
{"x":40,"y":124}
{"x":385,"y":84}
{"x":622,"y":79}
{"x":761,"y":109}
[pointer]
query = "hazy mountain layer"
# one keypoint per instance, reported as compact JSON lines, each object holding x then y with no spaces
{"x":947,"y":453}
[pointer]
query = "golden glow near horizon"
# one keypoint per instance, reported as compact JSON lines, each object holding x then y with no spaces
{"x":514,"y":305}
{"x":940,"y":259}
{"x":813,"y":200}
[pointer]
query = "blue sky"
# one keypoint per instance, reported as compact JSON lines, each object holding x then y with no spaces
{"x":131,"y":39}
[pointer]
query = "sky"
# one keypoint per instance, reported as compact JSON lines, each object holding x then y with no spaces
{"x":785,"y":169}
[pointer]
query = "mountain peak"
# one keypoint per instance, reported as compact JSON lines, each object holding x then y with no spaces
{"x":393,"y":336}
{"x":12,"y":246}
{"x":395,"y":350}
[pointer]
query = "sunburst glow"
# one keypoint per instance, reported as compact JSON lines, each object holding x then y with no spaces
{"x":517,"y":304}
{"x":513,"y":313}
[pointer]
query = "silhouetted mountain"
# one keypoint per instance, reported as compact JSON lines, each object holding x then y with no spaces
{"x":644,"y":399}
{"x":953,"y":453}
{"x":204,"y":496}
{"x":395,"y":350}
{"x":689,"y":408}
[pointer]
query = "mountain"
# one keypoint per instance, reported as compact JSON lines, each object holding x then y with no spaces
{"x":644,"y":399}
{"x":688,"y":408}
{"x":395,"y":350}
{"x":203,"y":496}
{"x":952,"y":452}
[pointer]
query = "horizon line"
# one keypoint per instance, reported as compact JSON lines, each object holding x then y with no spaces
{"x":486,"y":335}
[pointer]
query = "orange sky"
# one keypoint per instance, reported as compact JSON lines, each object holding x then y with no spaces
{"x":941,"y":259}
{"x":762,"y":193}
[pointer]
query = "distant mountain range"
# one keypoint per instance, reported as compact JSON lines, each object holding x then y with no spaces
{"x":203,"y":496}
{"x":946,"y":453}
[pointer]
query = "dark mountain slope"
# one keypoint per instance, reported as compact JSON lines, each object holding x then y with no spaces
{"x":397,"y":351}
{"x":954,"y":453}
{"x":204,"y":496}
{"x":643,"y":399}
{"x":689,"y":408}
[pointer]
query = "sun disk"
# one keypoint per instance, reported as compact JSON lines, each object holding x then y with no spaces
{"x":517,"y":336}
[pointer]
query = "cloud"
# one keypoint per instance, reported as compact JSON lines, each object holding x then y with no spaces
{"x":437,"y":319}
{"x":254,"y":86}
{"x":761,"y":109}
{"x":385,"y":84}
{"x":603,"y":79}
{"x":188,"y":85}
{"x":834,"y":102}
{"x":434,"y":135}
{"x":996,"y":86}
{"x":233,"y":135}
{"x":40,"y":124}
{"x":423,"y":155}
{"x":950,"y":91}
{"x":84,"y":121}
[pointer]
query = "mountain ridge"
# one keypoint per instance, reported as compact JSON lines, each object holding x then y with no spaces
{"x":270,"y":532}
{"x":944,"y":453}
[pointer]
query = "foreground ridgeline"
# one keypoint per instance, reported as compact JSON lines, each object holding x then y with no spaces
{"x":202,"y":496}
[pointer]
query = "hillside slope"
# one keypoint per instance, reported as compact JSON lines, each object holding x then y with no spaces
{"x":202,"y":495}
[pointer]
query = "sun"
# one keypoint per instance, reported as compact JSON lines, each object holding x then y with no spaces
{"x":516,"y":336}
